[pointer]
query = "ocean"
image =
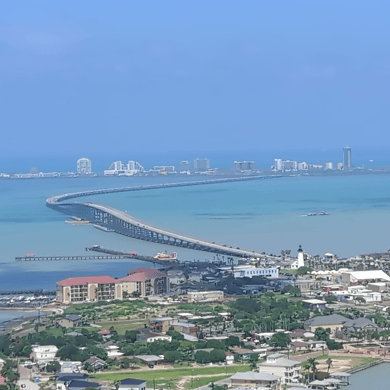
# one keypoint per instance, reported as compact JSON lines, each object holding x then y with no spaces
{"x":262,"y":215}
{"x":376,"y":377}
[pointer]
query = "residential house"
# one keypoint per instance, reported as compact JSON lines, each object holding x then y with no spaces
{"x":314,"y":304}
{"x":70,"y":321}
{"x":160,"y":325}
{"x":334,"y":322}
{"x":150,"y":337}
{"x":255,"y":380}
{"x":43,"y":354}
{"x":277,"y":364}
{"x":82,"y":385}
{"x":186,"y":328}
{"x":350,"y":327}
{"x":132,"y":384}
{"x":96,"y":363}
{"x":63,"y":379}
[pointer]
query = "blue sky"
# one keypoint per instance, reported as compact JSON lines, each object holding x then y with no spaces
{"x":178,"y":78}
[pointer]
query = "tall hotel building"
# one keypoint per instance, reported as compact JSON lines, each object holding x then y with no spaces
{"x":84,"y":166}
{"x":347,"y":157}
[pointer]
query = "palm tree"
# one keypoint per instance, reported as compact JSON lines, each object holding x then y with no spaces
{"x":329,"y":362}
{"x":312,"y":362}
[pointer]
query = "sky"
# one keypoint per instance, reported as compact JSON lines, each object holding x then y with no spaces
{"x":131,"y":79}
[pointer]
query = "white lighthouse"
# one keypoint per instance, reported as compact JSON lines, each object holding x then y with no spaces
{"x":300,"y":261}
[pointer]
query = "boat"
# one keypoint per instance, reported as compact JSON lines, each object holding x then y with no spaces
{"x":165,"y":256}
{"x":323,"y":213}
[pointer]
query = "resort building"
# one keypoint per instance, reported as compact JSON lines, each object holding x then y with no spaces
{"x":144,"y":282}
{"x":84,"y":166}
{"x":141,"y":282}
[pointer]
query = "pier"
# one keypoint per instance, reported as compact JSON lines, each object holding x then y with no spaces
{"x":66,"y":258}
{"x":109,"y":255}
{"x":123,"y":223}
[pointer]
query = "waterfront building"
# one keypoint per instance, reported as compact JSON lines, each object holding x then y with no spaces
{"x":250,"y":272}
{"x":289,"y":165}
{"x":165,"y":168}
{"x":278,"y":164}
{"x":340,"y":166}
{"x":244,"y":165}
{"x":329,"y":166}
{"x":129,"y":169}
{"x":287,"y":369}
{"x":255,"y":380}
{"x":144,"y":282}
{"x":303,"y":166}
{"x":201,"y":164}
{"x":347,"y":158}
{"x":141,"y":282}
{"x":84,"y":166}
{"x":184,"y":166}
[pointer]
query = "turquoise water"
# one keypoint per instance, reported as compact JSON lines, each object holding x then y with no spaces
{"x":261,"y":215}
{"x":376,"y":377}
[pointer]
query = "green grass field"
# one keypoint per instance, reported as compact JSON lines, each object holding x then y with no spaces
{"x":164,"y":376}
{"x":122,"y":325}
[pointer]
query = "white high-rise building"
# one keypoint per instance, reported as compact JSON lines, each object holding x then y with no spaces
{"x":118,"y":168}
{"x":289,"y":165}
{"x":84,"y":166}
{"x":201,"y":164}
{"x":278,"y":164}
{"x":303,"y":166}
{"x":329,"y":165}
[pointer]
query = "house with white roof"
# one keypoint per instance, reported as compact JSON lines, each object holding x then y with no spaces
{"x":255,"y":380}
{"x":43,"y":354}
{"x":277,"y":364}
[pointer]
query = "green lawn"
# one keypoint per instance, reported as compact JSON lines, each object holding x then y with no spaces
{"x":122,"y":325}
{"x":163,"y":376}
{"x":198,"y":382}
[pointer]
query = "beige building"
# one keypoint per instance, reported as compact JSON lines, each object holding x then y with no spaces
{"x":280,"y":366}
{"x":204,"y":296}
{"x":141,"y":282}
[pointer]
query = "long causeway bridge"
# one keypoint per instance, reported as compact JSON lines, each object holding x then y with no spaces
{"x":123,"y":223}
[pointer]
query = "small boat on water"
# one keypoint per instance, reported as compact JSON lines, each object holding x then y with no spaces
{"x":166,"y":256}
{"x":315,"y":214}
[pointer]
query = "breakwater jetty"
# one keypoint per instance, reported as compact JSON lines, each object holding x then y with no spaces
{"x":123,"y":223}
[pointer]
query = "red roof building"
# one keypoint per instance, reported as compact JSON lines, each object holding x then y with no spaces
{"x":141,"y":282}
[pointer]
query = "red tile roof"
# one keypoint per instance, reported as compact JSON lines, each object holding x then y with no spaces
{"x":83,"y":280}
{"x":2,"y":380}
{"x":104,"y":332}
{"x":138,"y":277}
{"x":150,"y":272}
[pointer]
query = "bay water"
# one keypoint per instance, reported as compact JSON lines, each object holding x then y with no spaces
{"x":263,"y":215}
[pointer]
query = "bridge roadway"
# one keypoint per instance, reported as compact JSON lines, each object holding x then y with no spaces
{"x":125,"y":224}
